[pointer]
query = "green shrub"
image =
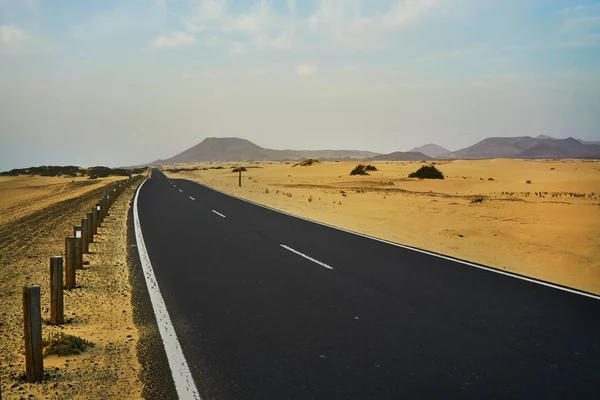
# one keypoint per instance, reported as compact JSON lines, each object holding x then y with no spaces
{"x":427,"y":172}
{"x":359,"y":170}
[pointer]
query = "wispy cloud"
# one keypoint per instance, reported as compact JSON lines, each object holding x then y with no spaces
{"x":10,"y":36}
{"x":405,"y":12}
{"x":306,"y":70}
{"x":211,"y":9}
{"x":175,"y":39}
{"x":189,"y":25}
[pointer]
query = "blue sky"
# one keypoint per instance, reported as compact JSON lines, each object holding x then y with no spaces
{"x":140,"y":80}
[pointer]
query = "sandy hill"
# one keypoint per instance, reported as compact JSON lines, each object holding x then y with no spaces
{"x":401,"y":156}
{"x":431,"y":150}
{"x":528,"y":147}
{"x":236,"y":149}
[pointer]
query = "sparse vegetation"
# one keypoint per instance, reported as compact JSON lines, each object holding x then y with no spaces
{"x":477,"y":199}
{"x":427,"y":172}
{"x":529,"y":182}
{"x":306,"y":163}
{"x":370,"y":167}
{"x":73,"y":171}
{"x":310,"y":199}
{"x":239,"y":169}
{"x":360,"y":169}
{"x":267,"y":190}
{"x":490,"y":179}
{"x":177,"y":170}
{"x":63,"y":345}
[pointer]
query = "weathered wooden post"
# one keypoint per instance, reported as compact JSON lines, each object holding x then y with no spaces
{"x":101,"y":212}
{"x":57,"y":314}
{"x":240,"y":176}
{"x":85,"y":240}
{"x":98,"y":219}
{"x":32,"y":319}
{"x":78,"y":247}
{"x":90,"y":218}
{"x":70,"y":258}
{"x":94,"y":222}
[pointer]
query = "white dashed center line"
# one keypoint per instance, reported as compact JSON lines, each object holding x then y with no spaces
{"x":219,"y":214}
{"x":192,"y":198}
{"x":181,"y":190}
{"x":322,"y":264}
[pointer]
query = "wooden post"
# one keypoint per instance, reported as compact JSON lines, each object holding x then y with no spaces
{"x":94,"y":222}
{"x":78,"y":247}
{"x":240,"y":176}
{"x":32,"y":318}
{"x":57,"y":314}
{"x":70,"y":262}
{"x":101,"y":212}
{"x":90,"y":218}
{"x":97,"y":212}
{"x":85,"y":236}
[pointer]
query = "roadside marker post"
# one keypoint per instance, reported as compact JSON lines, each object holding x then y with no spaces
{"x":57,"y":314}
{"x":85,"y":236}
{"x":32,"y":321}
{"x":98,"y":218}
{"x":70,"y":266}
{"x":78,"y":247}
{"x":94,"y":222}
{"x":90,"y":218}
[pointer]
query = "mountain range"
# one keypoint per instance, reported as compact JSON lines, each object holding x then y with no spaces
{"x":236,"y":149}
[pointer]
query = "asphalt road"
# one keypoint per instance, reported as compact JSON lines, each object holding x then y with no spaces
{"x":268,"y":306}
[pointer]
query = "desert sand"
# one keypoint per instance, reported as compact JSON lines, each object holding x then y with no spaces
{"x":23,"y":195}
{"x":100,"y":310}
{"x":548,"y":229}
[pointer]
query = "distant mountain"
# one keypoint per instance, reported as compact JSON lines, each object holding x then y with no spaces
{"x":431,"y":150}
{"x":401,"y":156}
{"x":527,"y":147}
{"x":236,"y":149}
{"x":590,"y":141}
{"x":544,"y":137}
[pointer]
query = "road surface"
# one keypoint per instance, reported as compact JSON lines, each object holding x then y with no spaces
{"x":268,"y":306}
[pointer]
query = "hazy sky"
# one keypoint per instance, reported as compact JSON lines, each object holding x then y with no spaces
{"x":126,"y":82}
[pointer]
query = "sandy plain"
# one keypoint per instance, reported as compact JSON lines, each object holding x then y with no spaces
{"x":548,"y":229}
{"x":43,"y":211}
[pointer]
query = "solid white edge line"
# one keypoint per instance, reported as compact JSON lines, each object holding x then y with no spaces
{"x":219,"y":214}
{"x":191,"y":198}
{"x":305,"y":256}
{"x":182,"y":377}
{"x":456,"y":260}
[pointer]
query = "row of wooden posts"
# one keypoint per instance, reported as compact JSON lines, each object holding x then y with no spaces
{"x":75,"y":246}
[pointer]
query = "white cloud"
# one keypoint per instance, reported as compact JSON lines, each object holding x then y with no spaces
{"x":238,"y":49}
{"x":175,"y":39}
{"x":211,"y":9}
{"x":10,"y":35}
{"x":306,"y":70}
{"x":406,"y":12}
